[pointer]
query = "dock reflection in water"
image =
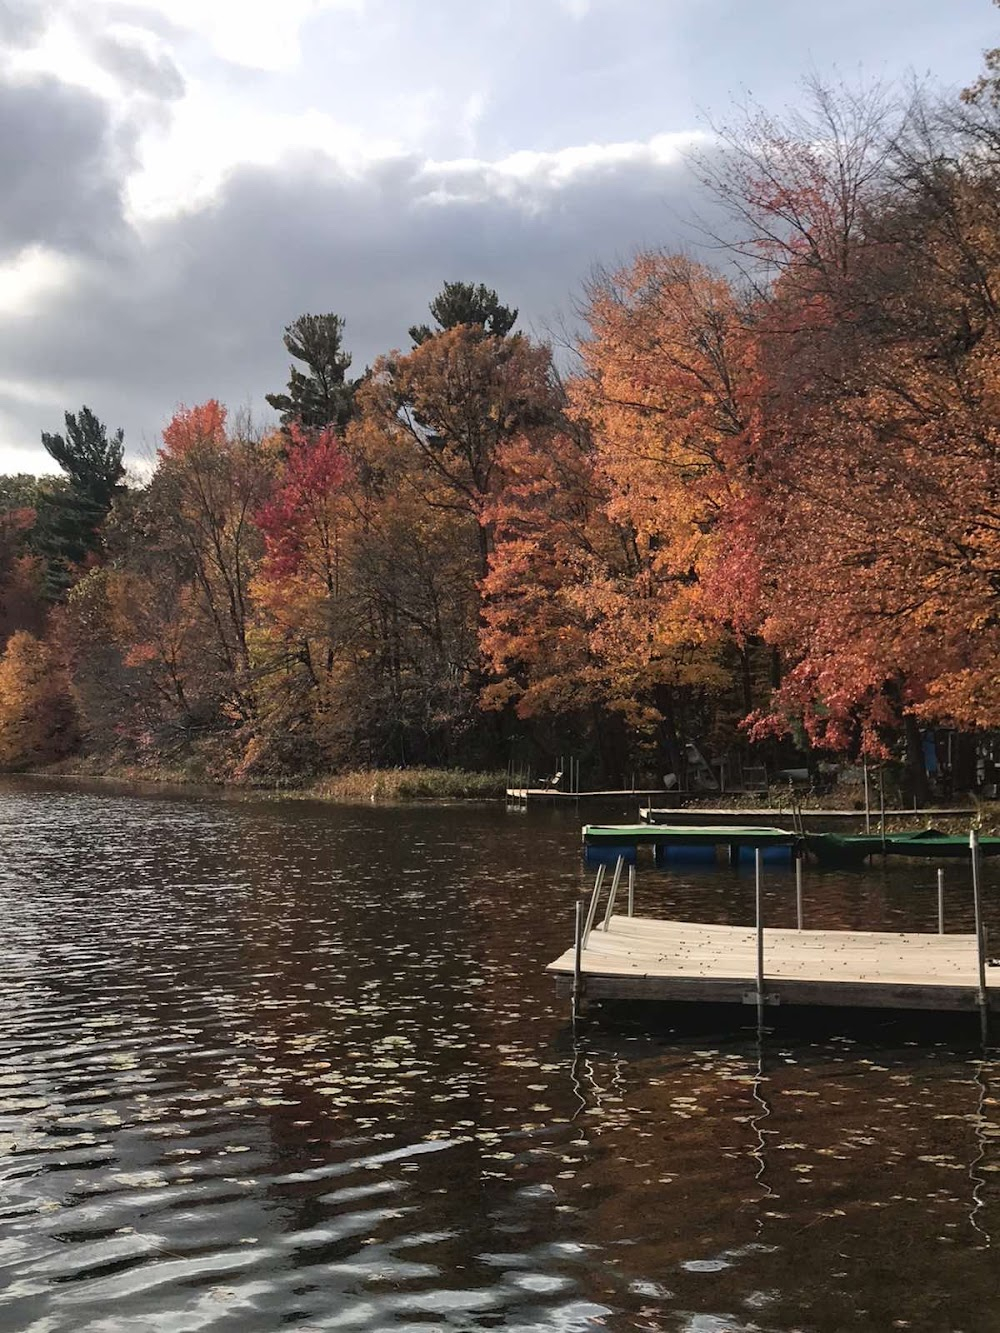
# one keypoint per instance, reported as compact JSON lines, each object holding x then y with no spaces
{"x":284,"y":1065}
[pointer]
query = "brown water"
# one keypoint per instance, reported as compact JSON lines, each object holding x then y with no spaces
{"x":275,"y":1066}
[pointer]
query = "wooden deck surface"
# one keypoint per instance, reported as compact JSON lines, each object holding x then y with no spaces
{"x":638,"y":957}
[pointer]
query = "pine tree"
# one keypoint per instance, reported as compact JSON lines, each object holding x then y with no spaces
{"x":322,"y":395}
{"x":71,"y":512}
{"x":465,"y":303}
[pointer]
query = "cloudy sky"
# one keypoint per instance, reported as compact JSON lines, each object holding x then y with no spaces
{"x":181,"y":178}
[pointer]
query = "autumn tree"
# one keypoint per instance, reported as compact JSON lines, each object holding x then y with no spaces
{"x":305,"y":590}
{"x":985,"y":91}
{"x":866,"y":497}
{"x":36,"y":712}
{"x":666,"y":391}
{"x":209,"y":484}
{"x":321,"y":395}
{"x":552,"y":538}
{"x":22,"y":573}
{"x":453,"y":402}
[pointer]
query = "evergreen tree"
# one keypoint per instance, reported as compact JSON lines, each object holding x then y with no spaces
{"x":71,"y":511}
{"x":321,"y":395}
{"x":465,"y":303}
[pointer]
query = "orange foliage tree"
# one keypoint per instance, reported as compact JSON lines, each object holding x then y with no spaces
{"x":669,"y":393}
{"x":208,"y":486}
{"x":36,"y":713}
{"x":552,"y":538}
{"x":867,"y":498}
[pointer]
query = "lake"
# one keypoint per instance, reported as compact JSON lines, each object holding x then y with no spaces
{"x":276,"y":1065}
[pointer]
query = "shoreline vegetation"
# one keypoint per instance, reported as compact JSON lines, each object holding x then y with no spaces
{"x":360,"y":786}
{"x":751,"y":531}
{"x":424,"y":784}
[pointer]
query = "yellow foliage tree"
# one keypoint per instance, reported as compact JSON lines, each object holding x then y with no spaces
{"x":37,"y":720}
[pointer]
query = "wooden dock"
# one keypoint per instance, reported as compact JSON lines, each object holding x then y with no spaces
{"x":644,"y":958}
{"x":522,"y":795}
{"x":622,"y":956}
{"x":649,"y":814}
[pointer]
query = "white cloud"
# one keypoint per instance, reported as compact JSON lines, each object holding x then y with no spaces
{"x":36,"y":275}
{"x":260,"y":34}
{"x":183,"y":168}
{"x":529,"y":178}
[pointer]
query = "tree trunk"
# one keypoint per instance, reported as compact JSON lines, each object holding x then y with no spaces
{"x":963,"y":763}
{"x":915,"y":783}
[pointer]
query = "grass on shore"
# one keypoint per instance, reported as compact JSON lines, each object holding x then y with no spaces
{"x":410,"y":784}
{"x":360,"y":785}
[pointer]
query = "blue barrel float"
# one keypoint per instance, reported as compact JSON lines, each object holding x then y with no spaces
{"x":685,"y":845}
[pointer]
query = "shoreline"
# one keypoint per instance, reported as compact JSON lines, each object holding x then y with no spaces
{"x":357,"y":787}
{"x":401,"y":786}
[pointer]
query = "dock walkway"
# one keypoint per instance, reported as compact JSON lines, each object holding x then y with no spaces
{"x":644,"y":958}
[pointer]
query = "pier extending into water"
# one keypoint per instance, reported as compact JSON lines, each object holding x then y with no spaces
{"x":622,"y":956}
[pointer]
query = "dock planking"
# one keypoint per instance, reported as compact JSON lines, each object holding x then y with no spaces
{"x":649,"y":814}
{"x":643,"y":958}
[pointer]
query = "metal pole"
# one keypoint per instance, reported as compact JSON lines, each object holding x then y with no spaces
{"x":758,"y":896}
{"x":980,"y":942}
{"x":940,"y":878}
{"x":614,"y":890}
{"x":578,"y":961}
{"x":592,"y":911}
{"x":881,"y":806}
{"x":798,"y":891}
{"x":868,"y":811}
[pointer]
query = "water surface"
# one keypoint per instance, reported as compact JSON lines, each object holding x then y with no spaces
{"x":288,"y":1065}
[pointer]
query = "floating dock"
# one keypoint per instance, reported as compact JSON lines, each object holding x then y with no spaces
{"x":782,"y":814}
{"x":836,"y":849}
{"x":660,"y":835}
{"x":608,"y":841}
{"x":522,"y":795}
{"x":643,"y":958}
{"x":627,"y":957}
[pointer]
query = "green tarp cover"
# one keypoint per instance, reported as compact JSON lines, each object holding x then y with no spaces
{"x":927,"y":843}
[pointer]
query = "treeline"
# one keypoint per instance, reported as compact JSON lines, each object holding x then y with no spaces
{"x":762,"y":511}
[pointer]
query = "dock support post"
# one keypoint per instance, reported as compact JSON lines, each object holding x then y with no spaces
{"x":868,"y":809}
{"x":798,"y":891}
{"x":984,"y":1011}
{"x":940,"y":879}
{"x":577,"y":959}
{"x":759,"y":900}
{"x":631,"y":890}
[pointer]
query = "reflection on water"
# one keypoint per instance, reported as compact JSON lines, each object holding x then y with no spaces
{"x":274,"y":1066}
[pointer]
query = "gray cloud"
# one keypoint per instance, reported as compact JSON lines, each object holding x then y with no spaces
{"x":195,"y":308}
{"x":60,"y":166}
{"x":21,"y":22}
{"x":137,"y":70}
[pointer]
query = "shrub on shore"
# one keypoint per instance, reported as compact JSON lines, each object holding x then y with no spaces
{"x":411,"y":784}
